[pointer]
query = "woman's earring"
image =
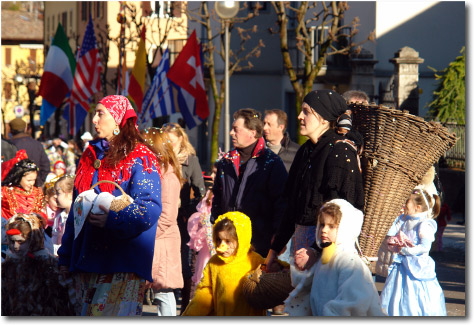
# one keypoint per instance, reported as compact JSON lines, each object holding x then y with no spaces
{"x":116,"y":131}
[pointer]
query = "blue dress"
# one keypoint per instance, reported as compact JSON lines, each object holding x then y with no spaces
{"x":411,"y":288}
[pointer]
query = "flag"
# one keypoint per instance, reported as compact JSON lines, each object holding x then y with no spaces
{"x":57,"y":78}
{"x":136,"y":88}
{"x":86,"y":81}
{"x":158,"y":99}
{"x":186,"y":73}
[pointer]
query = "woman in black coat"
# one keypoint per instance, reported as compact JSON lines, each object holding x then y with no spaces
{"x":325,"y":167}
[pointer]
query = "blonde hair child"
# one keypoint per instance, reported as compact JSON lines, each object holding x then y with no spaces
{"x":63,"y":193}
{"x":411,"y":287}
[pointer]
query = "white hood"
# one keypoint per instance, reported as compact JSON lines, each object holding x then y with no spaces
{"x":349,"y":228}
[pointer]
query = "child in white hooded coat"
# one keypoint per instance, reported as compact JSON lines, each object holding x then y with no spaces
{"x":341,"y":283}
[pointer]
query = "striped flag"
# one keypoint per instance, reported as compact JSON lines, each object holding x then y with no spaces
{"x":86,"y":81}
{"x":136,"y":87}
{"x":56,"y":81}
{"x":158,"y":99}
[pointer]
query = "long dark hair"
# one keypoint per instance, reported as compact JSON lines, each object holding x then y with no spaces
{"x":123,"y":143}
{"x":19,"y":170}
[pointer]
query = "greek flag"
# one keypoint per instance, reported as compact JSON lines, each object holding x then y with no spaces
{"x":158,"y":99}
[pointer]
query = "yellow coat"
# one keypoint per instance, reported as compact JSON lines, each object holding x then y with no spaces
{"x":220,"y":291}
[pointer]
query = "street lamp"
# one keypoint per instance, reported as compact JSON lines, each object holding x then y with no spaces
{"x":226,"y":10}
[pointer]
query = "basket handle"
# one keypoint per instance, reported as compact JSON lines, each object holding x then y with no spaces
{"x":113,"y":183}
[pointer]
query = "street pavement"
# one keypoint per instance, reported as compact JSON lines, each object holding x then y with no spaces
{"x":450,"y":270}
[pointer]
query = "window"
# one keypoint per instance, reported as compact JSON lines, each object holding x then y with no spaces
{"x":8,"y":56}
{"x":64,"y":21}
{"x":47,"y":25}
{"x":32,"y":60}
{"x":83,"y":11}
{"x":253,"y":4}
{"x":54,"y":25}
{"x":7,"y":90}
{"x":162,"y":9}
{"x":97,"y":9}
{"x":175,"y":47}
{"x":70,"y":20}
{"x":90,"y":10}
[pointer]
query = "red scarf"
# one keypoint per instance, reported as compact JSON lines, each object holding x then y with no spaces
{"x":234,"y":155}
{"x":119,"y":173}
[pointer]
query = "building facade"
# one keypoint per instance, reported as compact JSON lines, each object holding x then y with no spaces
{"x":22,"y":62}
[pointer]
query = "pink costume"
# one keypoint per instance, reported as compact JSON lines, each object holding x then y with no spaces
{"x":200,"y":232}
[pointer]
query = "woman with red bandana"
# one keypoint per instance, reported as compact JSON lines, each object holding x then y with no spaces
{"x":110,"y":250}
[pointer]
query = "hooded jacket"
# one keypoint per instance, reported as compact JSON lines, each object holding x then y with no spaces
{"x":220,"y":291}
{"x":344,"y":285}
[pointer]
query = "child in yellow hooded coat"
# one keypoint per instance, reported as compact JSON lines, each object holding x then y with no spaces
{"x":220,"y":291}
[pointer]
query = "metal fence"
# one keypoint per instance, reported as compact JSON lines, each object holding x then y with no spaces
{"x":456,"y":156}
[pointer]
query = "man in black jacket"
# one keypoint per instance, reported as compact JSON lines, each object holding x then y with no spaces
{"x":251,"y":179}
{"x":34,"y":149}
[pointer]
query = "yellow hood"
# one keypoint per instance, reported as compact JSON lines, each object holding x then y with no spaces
{"x":243,"y":228}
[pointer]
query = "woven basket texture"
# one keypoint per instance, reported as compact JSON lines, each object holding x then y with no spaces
{"x":266,"y":290}
{"x":125,"y":199}
{"x":399,"y":148}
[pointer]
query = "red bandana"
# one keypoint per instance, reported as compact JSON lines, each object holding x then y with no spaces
{"x":120,"y":108}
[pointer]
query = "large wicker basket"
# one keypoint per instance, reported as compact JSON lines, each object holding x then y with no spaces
{"x":399,"y":148}
{"x":264,"y":290}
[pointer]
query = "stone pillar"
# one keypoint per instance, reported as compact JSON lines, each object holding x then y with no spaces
{"x":405,"y":91}
{"x":362,"y":77}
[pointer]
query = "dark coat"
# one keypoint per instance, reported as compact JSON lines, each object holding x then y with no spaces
{"x":257,"y":193}
{"x":9,"y":150}
{"x":320,"y":172}
{"x":35,"y":151}
{"x":288,"y":151}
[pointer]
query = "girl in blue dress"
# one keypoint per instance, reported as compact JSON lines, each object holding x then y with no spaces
{"x":411,"y":288}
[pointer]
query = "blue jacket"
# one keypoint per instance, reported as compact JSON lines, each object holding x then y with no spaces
{"x":258,"y":194}
{"x":126,"y":243}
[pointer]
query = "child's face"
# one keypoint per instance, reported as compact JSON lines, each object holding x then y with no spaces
{"x":411,"y":207}
{"x":226,"y":246}
{"x":63,"y":199}
{"x":28,"y":181}
{"x":51,"y":200}
{"x":327,"y":229}
{"x":18,"y":245}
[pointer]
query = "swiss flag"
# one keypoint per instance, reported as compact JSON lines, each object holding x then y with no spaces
{"x":186,"y":73}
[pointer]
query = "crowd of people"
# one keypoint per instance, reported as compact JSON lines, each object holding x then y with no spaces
{"x":129,"y":216}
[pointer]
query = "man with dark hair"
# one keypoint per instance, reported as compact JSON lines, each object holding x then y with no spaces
{"x":278,"y":140}
{"x":250,"y":179}
{"x":34,"y":149}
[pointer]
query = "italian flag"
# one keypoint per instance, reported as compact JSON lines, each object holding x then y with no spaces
{"x":136,"y":87}
{"x":58,"y":74}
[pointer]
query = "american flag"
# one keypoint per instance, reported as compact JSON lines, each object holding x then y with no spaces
{"x":86,"y":81}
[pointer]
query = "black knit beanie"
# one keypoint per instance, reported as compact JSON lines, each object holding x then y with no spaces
{"x":327,"y":103}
